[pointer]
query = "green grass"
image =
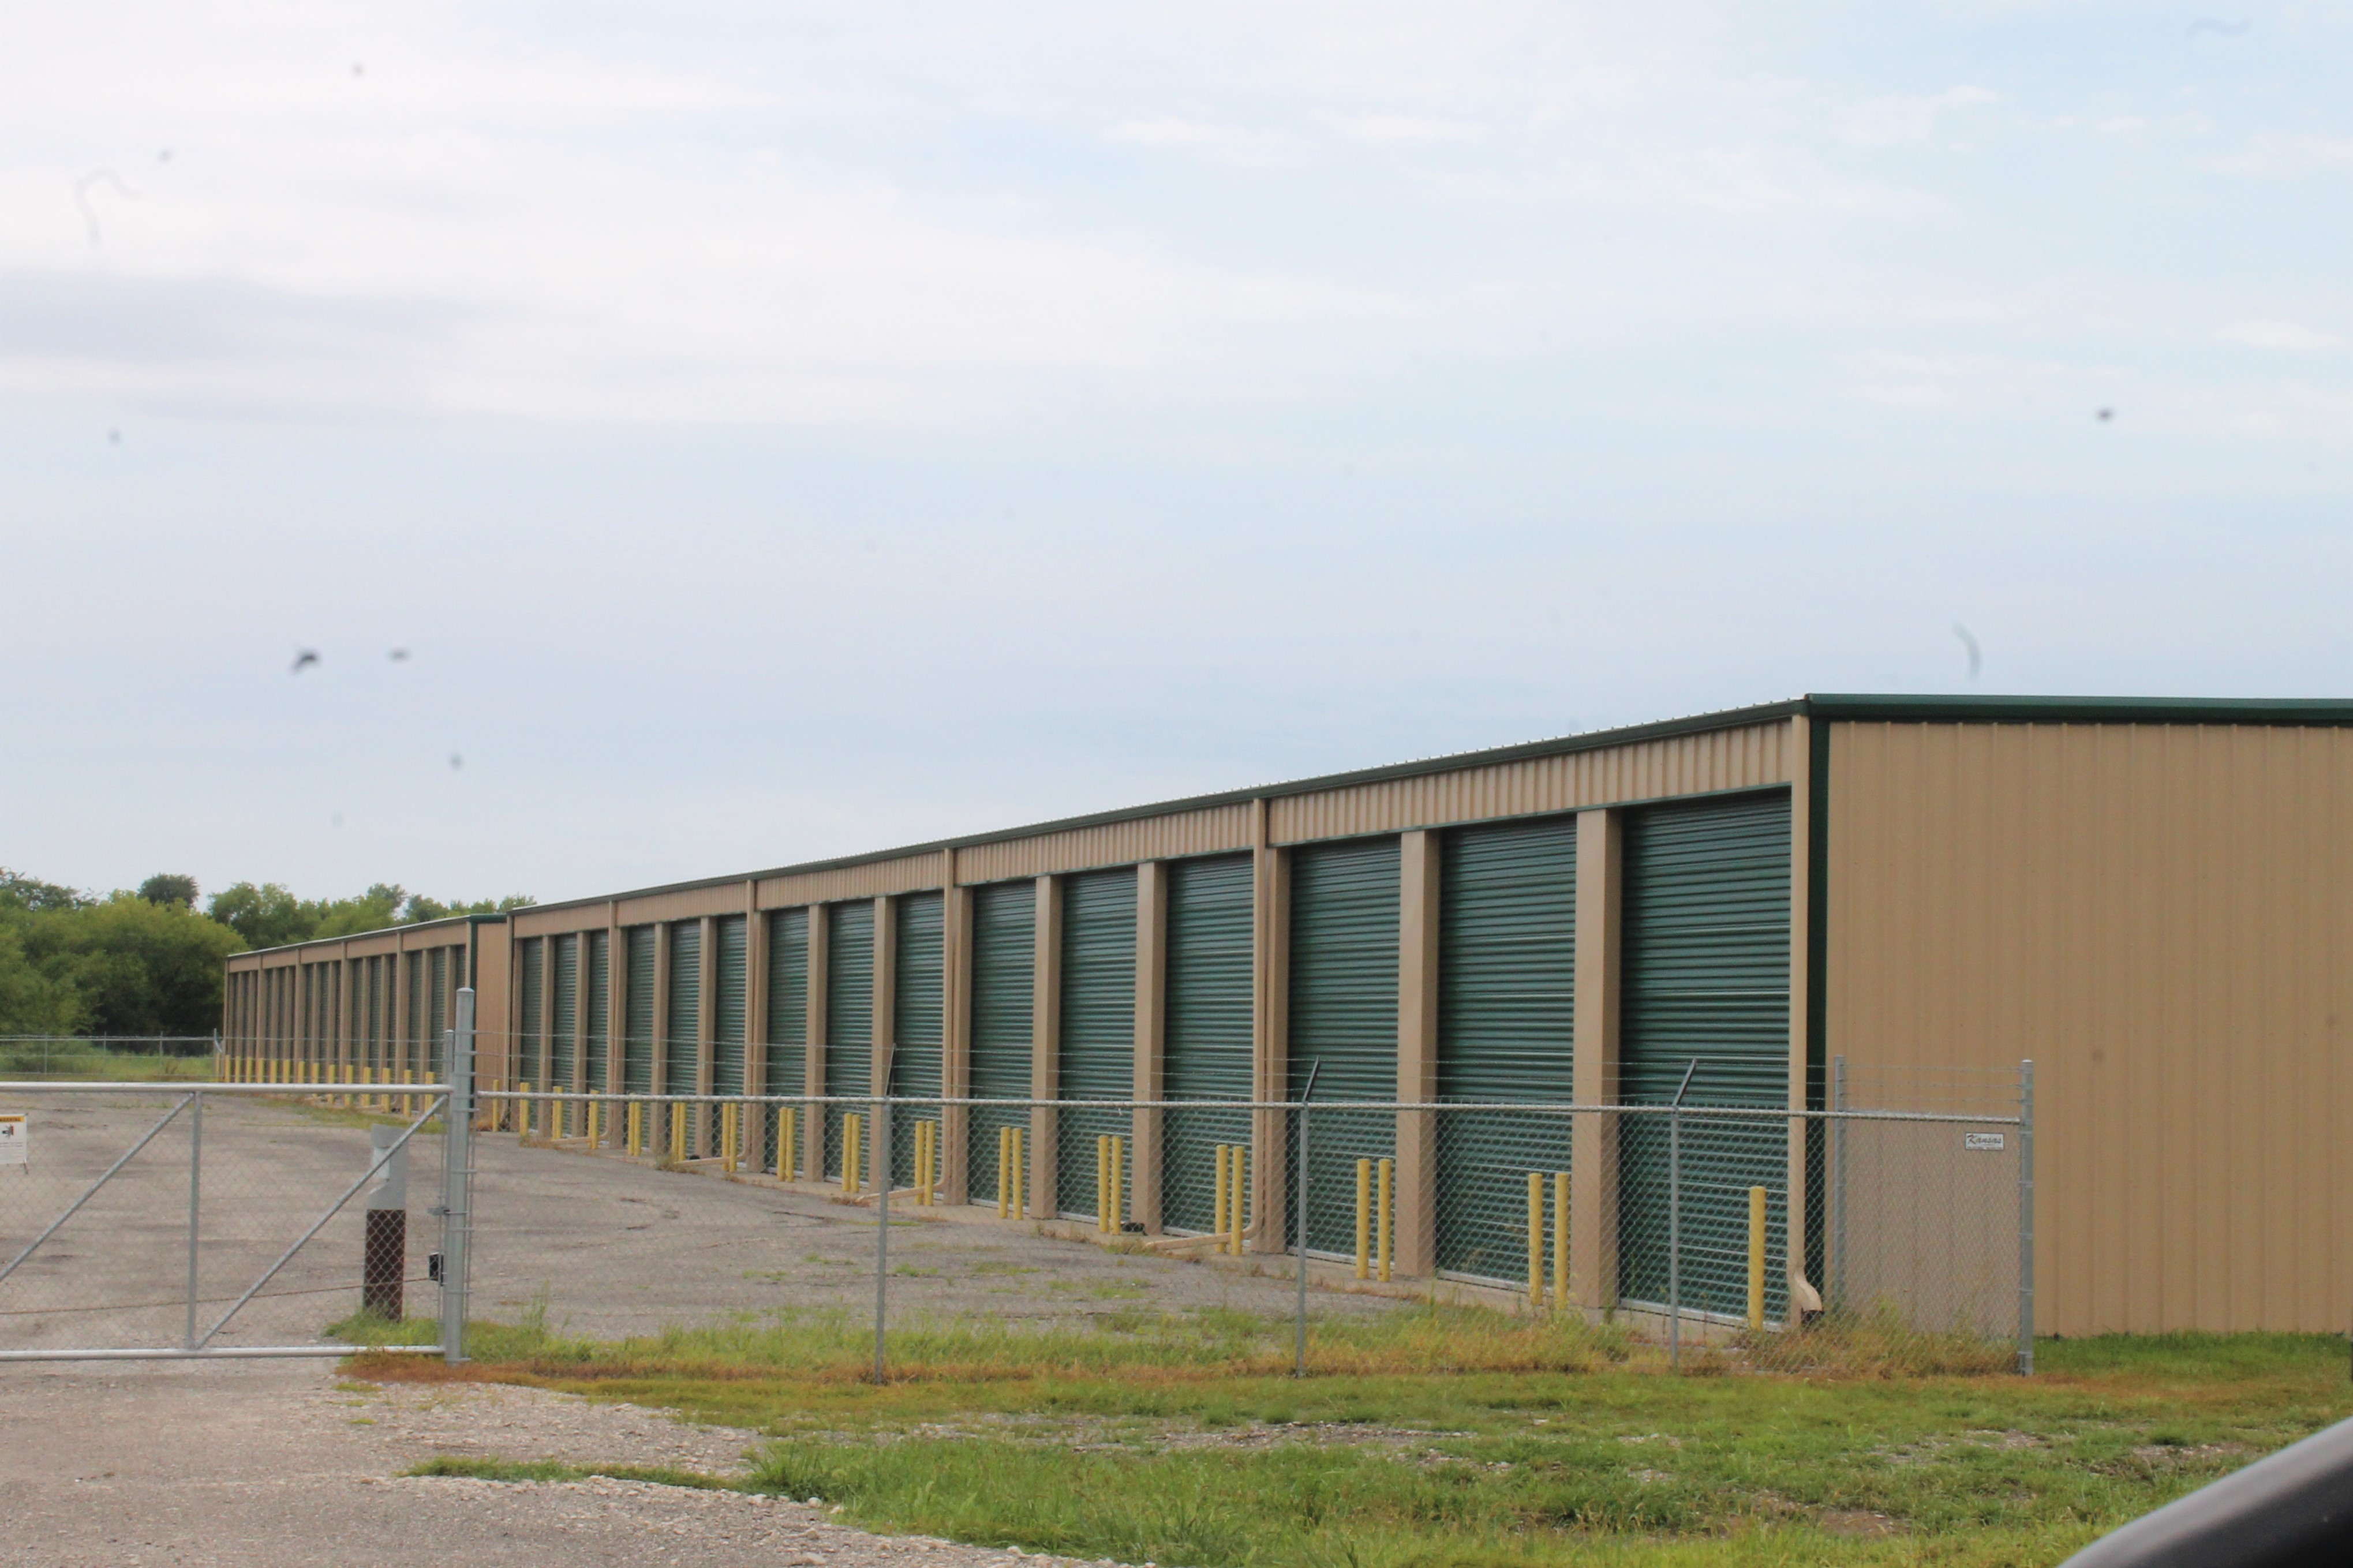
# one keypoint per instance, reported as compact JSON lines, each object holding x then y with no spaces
{"x":1450,"y":1438}
{"x":551,"y":1470}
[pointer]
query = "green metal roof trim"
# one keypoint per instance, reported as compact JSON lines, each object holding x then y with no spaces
{"x":2323,"y":710}
{"x":468,"y":921}
{"x":1998,"y":710}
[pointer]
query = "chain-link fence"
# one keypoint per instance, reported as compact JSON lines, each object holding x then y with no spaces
{"x":109,"y":1058}
{"x":1692,"y":1216}
{"x":1744,"y":1236}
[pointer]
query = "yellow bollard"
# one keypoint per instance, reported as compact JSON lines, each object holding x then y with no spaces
{"x":676,"y":1133}
{"x":934,"y":1167}
{"x":408,"y":1102}
{"x":786,"y":1165}
{"x":1218,"y":1200}
{"x":849,"y":1141}
{"x":924,"y":1163}
{"x":1020,"y":1172}
{"x":1536,"y":1238}
{"x":523,"y":1111}
{"x":729,"y":1132}
{"x":594,"y":1141}
{"x":1237,"y":1201}
{"x":1388,"y":1219}
{"x":1118,"y":1185}
{"x":1755,"y":1257}
{"x":636,"y":1131}
{"x":1560,"y":1238}
{"x":1364,"y":1219}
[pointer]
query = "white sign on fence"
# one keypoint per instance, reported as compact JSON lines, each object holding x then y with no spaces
{"x":16,"y":1140}
{"x":1982,"y":1143}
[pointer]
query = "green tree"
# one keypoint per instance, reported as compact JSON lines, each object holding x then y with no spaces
{"x":164,"y":888}
{"x":32,"y":1000}
{"x":267,"y":916}
{"x":137,"y":967}
{"x":19,"y":892}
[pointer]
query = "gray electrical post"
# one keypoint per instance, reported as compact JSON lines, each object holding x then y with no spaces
{"x":457,"y":1178}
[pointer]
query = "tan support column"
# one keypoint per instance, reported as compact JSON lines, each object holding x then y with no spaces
{"x":886,"y":1033}
{"x":1416,"y":1132}
{"x":1593,"y":1148}
{"x":1151,"y":992}
{"x":1800,"y":990}
{"x":820,"y":946}
{"x":1271,"y":1077}
{"x":1045,"y":1048}
{"x":955,"y":1032}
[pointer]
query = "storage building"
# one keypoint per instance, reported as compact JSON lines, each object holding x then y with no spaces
{"x":1895,"y":898}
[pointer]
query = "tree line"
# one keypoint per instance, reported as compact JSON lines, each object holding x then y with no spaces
{"x":149,"y":961}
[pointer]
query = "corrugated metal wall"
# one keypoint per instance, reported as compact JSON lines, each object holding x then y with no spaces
{"x":682,"y":1011}
{"x":1706,"y":981}
{"x":564,"y":1037}
{"x":731,"y":980}
{"x":1344,"y":912}
{"x":1004,"y":1004}
{"x":637,"y":1015}
{"x":532,"y":1062}
{"x":849,"y":1015}
{"x":1097,"y":1055}
{"x":1506,"y":1026}
{"x":788,"y":978}
{"x":2161,"y":916}
{"x":1207,"y":1028}
{"x":917,"y":1012}
{"x":595,"y":1027}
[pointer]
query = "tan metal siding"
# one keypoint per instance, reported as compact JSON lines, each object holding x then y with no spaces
{"x":1744,"y":758}
{"x":2158,"y":915}
{"x":879,"y":879}
{"x":1206,"y":832}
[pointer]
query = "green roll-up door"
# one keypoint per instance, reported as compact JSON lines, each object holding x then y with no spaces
{"x":730,"y":995}
{"x":682,"y":1011}
{"x":439,"y":1006}
{"x":596,"y":1031}
{"x":412,"y":1043}
{"x":564,"y":1002}
{"x":1004,"y":1008}
{"x":1097,"y":1055}
{"x":787,"y":1048}
{"x":917,"y":1013}
{"x":1344,"y":1015}
{"x":638,"y":1012}
{"x":849,"y":1017}
{"x":1705,"y":967}
{"x":1205,"y":1029}
{"x":1507,"y":1020}
{"x":531,"y":1066}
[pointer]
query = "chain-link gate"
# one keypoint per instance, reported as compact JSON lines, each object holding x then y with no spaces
{"x":149,"y":1221}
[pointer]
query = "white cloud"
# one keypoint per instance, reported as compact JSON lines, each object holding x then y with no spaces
{"x":2289,"y":336}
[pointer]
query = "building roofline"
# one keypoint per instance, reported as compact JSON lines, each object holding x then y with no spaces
{"x":382,"y":931}
{"x":1835,"y":706}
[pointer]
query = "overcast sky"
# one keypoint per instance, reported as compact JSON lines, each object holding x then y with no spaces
{"x":781,"y":430}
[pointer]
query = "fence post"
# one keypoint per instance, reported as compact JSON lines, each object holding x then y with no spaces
{"x":457,"y":1178}
{"x":2026,"y":1217}
{"x":1837,"y":1186}
{"x":1299,"y":1348}
{"x":881,"y":1235}
{"x":196,"y":1174}
{"x":1675,"y":1219}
